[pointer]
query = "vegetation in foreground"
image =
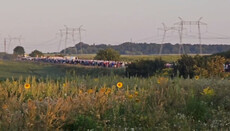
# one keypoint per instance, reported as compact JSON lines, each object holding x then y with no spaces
{"x":77,"y":98}
{"x":84,"y":103}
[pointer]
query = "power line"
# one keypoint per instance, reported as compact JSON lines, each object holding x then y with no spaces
{"x":165,"y":29}
{"x":182,"y":23}
{"x":70,"y":32}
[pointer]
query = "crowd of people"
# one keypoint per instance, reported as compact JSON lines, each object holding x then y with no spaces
{"x":74,"y":60}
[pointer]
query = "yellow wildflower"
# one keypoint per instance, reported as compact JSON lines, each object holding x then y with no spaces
{"x":96,"y":79}
{"x":4,"y":106}
{"x":158,"y":81}
{"x":130,"y":96}
{"x":136,"y":93}
{"x":108,"y":91}
{"x":27,"y":85}
{"x":208,"y":91}
{"x":119,"y":84}
{"x":80,"y":91}
{"x":197,"y":77}
{"x":90,"y":91}
{"x":102,"y":90}
{"x":15,"y":82}
{"x":64,"y":84}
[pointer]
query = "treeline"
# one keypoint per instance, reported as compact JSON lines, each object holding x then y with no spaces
{"x":145,"y":49}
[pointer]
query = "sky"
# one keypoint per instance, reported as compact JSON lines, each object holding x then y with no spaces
{"x":113,"y":22}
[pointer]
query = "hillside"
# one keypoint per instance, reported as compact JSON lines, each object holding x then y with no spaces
{"x":146,"y":49}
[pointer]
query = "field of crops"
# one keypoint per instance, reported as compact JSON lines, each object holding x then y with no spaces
{"x":110,"y":101}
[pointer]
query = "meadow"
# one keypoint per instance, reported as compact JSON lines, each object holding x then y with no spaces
{"x":130,"y":58}
{"x":77,"y":98}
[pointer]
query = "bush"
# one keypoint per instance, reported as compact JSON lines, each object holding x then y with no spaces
{"x":82,"y":122}
{"x":36,"y":53}
{"x":185,"y":66}
{"x":145,"y":68}
{"x":107,"y":54}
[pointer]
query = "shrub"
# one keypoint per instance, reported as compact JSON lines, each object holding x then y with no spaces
{"x":36,"y":53}
{"x":145,"y":68}
{"x":82,"y":122}
{"x":185,"y":66}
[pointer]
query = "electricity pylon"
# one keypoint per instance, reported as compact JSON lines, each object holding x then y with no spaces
{"x":70,"y":32}
{"x":10,"y":39}
{"x":80,"y":29}
{"x":182,"y":23}
{"x":67,"y":32}
{"x":165,"y":29}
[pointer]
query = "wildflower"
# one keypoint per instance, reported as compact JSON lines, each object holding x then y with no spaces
{"x":80,"y":91}
{"x":64,"y":84}
{"x":40,"y":99}
{"x":197,"y":77}
{"x":96,"y":79}
{"x":4,"y":106}
{"x":119,"y":84}
{"x":27,"y":85}
{"x":102,"y":90}
{"x":15,"y":82}
{"x":108,"y":91}
{"x":90,"y":91}
{"x":136,"y":93}
{"x":130,"y":96}
{"x":208,"y":91}
{"x":158,"y":81}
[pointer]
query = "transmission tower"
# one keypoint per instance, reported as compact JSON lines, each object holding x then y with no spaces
{"x":165,"y":29}
{"x":198,"y":23}
{"x":80,"y":29}
{"x":70,"y":32}
{"x":10,"y":40}
{"x":67,"y":32}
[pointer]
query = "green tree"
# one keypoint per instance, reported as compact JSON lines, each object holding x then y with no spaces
{"x":36,"y":53}
{"x":19,"y":51}
{"x":185,"y":66}
{"x":145,"y":68}
{"x":107,"y":54}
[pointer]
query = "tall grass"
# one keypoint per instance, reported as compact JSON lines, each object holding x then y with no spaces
{"x":84,"y":102}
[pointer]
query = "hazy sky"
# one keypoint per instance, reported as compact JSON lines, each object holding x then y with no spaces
{"x":108,"y":21}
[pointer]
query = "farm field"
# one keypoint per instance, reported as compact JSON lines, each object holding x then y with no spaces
{"x":45,"y":96}
{"x":128,"y":58}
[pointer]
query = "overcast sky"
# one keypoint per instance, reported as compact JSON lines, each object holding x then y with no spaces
{"x":108,"y":21}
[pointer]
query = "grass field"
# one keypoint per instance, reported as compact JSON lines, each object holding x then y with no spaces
{"x":167,"y":58}
{"x":9,"y":69}
{"x":81,"y":98}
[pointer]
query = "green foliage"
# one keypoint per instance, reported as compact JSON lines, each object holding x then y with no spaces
{"x":171,"y":104}
{"x":210,"y":66}
{"x":19,"y":51}
{"x":82,"y":123}
{"x":107,"y":54}
{"x":145,"y":68}
{"x":197,"y":109}
{"x":225,"y":54}
{"x":5,"y":56}
{"x":129,"y":48}
{"x":185,"y":66}
{"x":36,"y":53}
